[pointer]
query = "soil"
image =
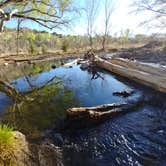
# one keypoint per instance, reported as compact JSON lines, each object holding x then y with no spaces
{"x":153,"y":52}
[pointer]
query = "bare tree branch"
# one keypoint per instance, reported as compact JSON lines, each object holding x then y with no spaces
{"x":91,"y":9}
{"x":109,"y":7}
{"x":156,"y":7}
{"x":50,"y":16}
{"x":4,"y":4}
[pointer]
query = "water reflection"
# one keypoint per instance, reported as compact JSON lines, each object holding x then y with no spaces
{"x":47,"y":106}
{"x":136,"y":138}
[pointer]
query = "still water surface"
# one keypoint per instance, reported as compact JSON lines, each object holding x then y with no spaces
{"x":136,"y":138}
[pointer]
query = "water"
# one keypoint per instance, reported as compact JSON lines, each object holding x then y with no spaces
{"x":136,"y":138}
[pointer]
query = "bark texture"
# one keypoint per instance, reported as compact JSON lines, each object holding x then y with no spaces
{"x":146,"y":74}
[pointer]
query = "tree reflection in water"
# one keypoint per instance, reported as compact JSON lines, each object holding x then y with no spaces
{"x":40,"y":108}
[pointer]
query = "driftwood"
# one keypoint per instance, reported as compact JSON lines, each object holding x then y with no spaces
{"x":145,"y":74}
{"x":88,"y":116}
{"x":69,"y":64}
{"x":123,"y":93}
{"x":84,"y":110}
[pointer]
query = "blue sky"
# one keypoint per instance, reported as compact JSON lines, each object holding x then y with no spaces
{"x":121,"y":19}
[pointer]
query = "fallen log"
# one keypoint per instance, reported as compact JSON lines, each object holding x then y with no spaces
{"x":84,"y":110}
{"x":146,"y":75}
{"x":89,"y":116}
{"x":149,"y":68}
{"x":74,"y":62}
{"x":123,"y":94}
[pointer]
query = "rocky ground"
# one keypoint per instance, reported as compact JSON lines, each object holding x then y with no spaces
{"x":28,"y":154}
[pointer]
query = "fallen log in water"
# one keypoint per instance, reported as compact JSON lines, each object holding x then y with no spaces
{"x":151,"y":76}
{"x":70,"y":63}
{"x":123,"y":93}
{"x":149,"y":68}
{"x":88,"y":116}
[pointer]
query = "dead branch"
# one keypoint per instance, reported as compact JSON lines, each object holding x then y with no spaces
{"x":88,"y":116}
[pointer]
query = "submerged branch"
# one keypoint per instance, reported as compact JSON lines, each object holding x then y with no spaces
{"x":11,"y":91}
{"x":33,"y":89}
{"x":8,"y":89}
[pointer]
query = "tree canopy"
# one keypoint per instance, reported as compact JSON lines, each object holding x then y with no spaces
{"x":47,"y":13}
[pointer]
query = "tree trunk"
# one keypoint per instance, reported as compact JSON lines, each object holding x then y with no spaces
{"x":18,"y":33}
{"x":1,"y":25}
{"x":91,"y":42}
{"x":103,"y":42}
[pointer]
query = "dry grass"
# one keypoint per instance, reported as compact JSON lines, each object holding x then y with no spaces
{"x":7,"y":145}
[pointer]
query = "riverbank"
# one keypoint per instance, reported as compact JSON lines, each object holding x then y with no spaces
{"x":154,"y":52}
{"x":39,"y":119}
{"x":26,"y":58}
{"x":21,"y":57}
{"x":28,"y":154}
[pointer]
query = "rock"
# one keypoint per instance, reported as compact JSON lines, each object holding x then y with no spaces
{"x":22,"y":152}
{"x":50,"y":155}
{"x":160,"y":131}
{"x":26,"y":154}
{"x":29,"y":62}
{"x":113,"y":50}
{"x":6,"y":64}
{"x":58,"y":139}
{"x":18,"y":63}
{"x":53,"y":66}
{"x":84,"y":66}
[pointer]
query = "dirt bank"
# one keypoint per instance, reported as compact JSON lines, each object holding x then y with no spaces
{"x":153,"y":52}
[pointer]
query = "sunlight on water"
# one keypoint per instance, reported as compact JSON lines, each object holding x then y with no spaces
{"x":136,"y":138}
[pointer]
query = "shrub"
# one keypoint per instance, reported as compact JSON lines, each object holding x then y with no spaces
{"x":32,"y":49}
{"x":65,"y":45}
{"x":44,"y":49}
{"x":6,"y":144}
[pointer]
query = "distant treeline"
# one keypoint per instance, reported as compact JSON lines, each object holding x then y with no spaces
{"x":35,"y":42}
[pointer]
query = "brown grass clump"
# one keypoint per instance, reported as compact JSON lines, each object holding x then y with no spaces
{"x":6,"y":145}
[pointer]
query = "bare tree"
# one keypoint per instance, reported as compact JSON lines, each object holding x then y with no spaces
{"x":19,"y":21}
{"x":91,"y":9}
{"x":109,"y":6}
{"x":48,"y":14}
{"x":157,"y":7}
